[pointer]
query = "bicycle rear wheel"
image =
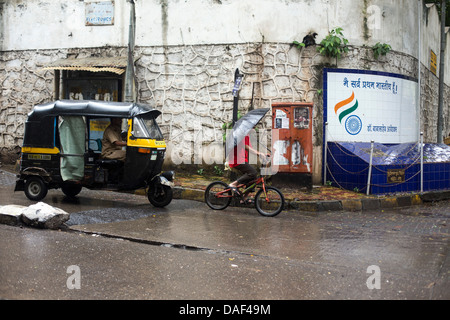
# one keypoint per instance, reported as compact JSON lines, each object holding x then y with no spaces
{"x":271,"y":203}
{"x":218,"y":195}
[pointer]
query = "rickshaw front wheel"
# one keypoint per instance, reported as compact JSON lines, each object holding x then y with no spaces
{"x":35,"y":188}
{"x":160,"y":195}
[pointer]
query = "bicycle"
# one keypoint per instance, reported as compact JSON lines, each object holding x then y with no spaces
{"x":269,"y":201}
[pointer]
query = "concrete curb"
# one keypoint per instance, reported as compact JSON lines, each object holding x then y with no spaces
{"x":363,"y":204}
{"x":188,"y":194}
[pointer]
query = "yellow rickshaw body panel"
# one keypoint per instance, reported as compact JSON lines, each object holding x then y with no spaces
{"x":142,"y":143}
{"x":54,"y":150}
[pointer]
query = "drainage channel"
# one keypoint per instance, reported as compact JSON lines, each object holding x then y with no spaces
{"x":167,"y":244}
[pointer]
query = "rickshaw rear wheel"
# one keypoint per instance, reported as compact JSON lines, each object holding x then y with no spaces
{"x":35,"y":188}
{"x":160,"y":195}
{"x":71,"y":190}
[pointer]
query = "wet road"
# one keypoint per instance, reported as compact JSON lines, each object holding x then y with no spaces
{"x":127,"y":249}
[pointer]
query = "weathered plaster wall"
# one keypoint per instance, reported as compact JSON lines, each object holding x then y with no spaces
{"x":187,"y":52}
{"x":55,"y":24}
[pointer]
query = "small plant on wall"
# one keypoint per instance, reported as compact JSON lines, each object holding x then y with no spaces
{"x":334,"y":44}
{"x":381,"y":49}
{"x":299,"y":45}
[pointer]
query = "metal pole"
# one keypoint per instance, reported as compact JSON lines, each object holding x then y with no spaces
{"x":419,"y":57}
{"x":325,"y":150}
{"x":440,"y":121}
{"x":370,"y":167}
{"x":237,"y":85}
{"x":129,"y":73}
{"x":421,"y":161}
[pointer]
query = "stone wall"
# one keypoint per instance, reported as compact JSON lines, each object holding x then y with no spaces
{"x":192,"y":86}
{"x":429,"y":110}
{"x":22,"y":85}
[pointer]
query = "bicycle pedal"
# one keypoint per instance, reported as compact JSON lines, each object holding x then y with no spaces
{"x":247,"y":202}
{"x":235,"y":191}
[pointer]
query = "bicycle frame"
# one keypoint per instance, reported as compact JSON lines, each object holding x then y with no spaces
{"x":260,"y":180}
{"x":268,"y":201}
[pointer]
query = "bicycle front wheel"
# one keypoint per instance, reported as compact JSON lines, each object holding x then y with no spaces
{"x":218,"y":195}
{"x":269,"y":203}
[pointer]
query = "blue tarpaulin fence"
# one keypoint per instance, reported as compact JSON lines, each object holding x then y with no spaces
{"x":395,"y":168}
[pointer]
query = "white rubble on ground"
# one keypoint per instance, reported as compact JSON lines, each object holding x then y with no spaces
{"x":11,"y":214}
{"x":39,"y":215}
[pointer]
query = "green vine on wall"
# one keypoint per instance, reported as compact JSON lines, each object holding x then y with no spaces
{"x":334,"y":44}
{"x":299,"y":45}
{"x":381,"y":49}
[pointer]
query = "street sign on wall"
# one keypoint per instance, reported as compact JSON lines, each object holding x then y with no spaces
{"x":99,"y":13}
{"x":433,"y":62}
{"x":361,"y":106}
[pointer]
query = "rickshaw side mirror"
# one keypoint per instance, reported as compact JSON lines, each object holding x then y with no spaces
{"x":123,"y":135}
{"x":132,"y":137}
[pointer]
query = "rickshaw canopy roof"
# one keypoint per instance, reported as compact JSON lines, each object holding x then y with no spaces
{"x":91,"y":108}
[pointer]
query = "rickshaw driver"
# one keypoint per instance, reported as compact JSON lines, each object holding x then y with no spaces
{"x":112,"y":141}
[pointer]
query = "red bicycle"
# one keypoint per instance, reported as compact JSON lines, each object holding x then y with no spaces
{"x":269,"y":201}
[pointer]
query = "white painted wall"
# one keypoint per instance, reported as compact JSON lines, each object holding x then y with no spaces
{"x":52,"y":24}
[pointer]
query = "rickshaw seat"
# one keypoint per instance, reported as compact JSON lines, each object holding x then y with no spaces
{"x":109,"y":163}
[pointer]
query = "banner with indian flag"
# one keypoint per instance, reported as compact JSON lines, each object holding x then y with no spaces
{"x":361,"y":106}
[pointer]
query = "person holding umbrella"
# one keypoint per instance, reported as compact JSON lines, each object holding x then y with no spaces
{"x":239,"y":146}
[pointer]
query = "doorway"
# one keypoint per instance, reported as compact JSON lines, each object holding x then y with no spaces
{"x":85,"y":85}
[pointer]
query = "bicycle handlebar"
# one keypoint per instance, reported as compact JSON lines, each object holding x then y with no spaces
{"x":266,"y":160}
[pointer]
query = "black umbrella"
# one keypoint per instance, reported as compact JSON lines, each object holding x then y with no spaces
{"x":242,"y":127}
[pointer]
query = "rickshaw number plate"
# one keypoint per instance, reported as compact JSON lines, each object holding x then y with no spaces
{"x":153,"y":157}
{"x":39,"y":157}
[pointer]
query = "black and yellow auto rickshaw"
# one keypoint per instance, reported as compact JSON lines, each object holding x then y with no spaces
{"x":62,"y":149}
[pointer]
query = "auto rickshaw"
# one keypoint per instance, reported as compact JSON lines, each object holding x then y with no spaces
{"x":62,"y":149}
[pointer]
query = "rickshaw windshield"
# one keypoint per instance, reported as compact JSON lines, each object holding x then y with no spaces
{"x":146,"y":128}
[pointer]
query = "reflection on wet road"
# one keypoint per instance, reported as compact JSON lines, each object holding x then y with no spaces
{"x":232,"y":254}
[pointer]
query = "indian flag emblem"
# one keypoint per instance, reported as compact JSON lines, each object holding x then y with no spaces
{"x":345,"y":108}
